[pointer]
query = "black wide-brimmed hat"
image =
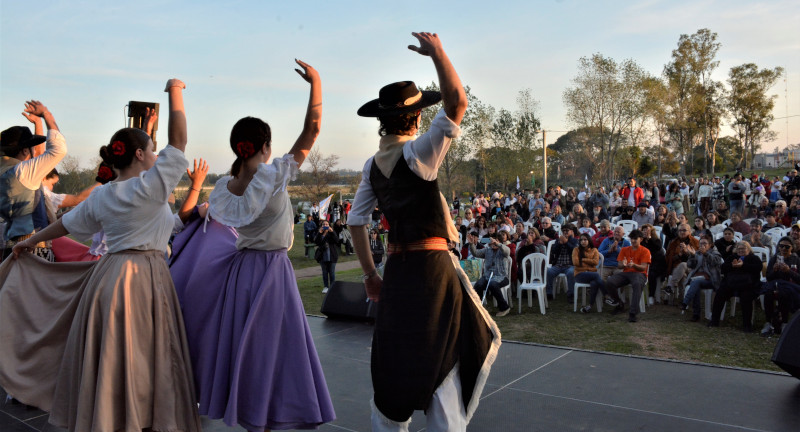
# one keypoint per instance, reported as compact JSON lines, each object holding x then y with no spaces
{"x":16,"y":138}
{"x":399,"y":98}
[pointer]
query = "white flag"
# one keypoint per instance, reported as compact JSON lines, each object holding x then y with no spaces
{"x":323,"y":207}
{"x":517,"y":182}
{"x":586,"y":181}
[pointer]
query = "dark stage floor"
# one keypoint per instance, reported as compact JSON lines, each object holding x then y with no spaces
{"x":535,"y":388}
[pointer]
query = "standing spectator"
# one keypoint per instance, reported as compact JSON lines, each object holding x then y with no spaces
{"x":633,"y":260}
{"x":704,"y":273}
{"x":717,"y":191}
{"x":561,"y":260}
{"x":775,"y":191}
{"x":309,"y":229}
{"x":377,"y":248}
{"x":632,"y":193}
{"x":655,"y":195}
{"x":674,"y":198}
{"x":736,"y":191}
{"x":327,"y":254}
{"x":705,"y":193}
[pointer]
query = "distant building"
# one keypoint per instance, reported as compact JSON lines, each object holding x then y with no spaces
{"x":780,"y":158}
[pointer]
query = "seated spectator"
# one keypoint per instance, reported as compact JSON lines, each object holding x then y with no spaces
{"x":627,"y":212}
{"x":704,"y":273}
{"x":756,"y":238}
{"x":585,"y":258}
{"x":505,"y":239}
{"x":547,"y":231}
{"x":670,"y":228}
{"x":700,"y":229}
{"x":556,"y":215}
{"x":622,"y":209}
{"x":491,"y":230}
{"x":741,"y":273}
{"x":481,"y":226}
{"x":603,"y":232}
{"x":782,"y":286}
{"x":658,"y":262}
{"x":727,"y":244}
{"x":610,"y":248}
{"x":782,"y":216}
{"x":522,"y":208}
{"x":722,"y":210}
{"x":561,"y":260}
{"x":633,"y":260}
{"x":494,"y":271}
{"x":614,"y":203}
{"x":644,"y":214}
{"x":599,"y":214}
{"x":468,"y":218}
{"x":771,"y":222}
{"x":504,"y":224}
{"x":514,"y":216}
{"x":794,"y":209}
{"x":678,"y":253}
{"x":738,"y":224}
{"x":713,"y":223}
{"x":345,"y":238}
{"x":576,"y":214}
{"x":496,"y":209}
{"x":519,"y":233}
{"x":465,"y":251}
{"x":586,"y":226}
{"x":532,"y":244}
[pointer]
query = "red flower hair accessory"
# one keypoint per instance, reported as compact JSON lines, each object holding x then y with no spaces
{"x":118,"y":148}
{"x":105,"y":173}
{"x":245,"y":149}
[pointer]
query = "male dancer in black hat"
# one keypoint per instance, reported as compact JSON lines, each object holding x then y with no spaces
{"x":434,"y":343}
{"x":22,"y":203}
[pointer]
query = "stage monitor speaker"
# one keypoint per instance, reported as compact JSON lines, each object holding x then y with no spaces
{"x":348,"y":300}
{"x":787,"y":352}
{"x":136,"y":116}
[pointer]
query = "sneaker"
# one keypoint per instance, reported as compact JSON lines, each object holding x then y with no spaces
{"x":632,"y":318}
{"x":767,"y":330}
{"x":684,"y":308}
{"x":325,"y":290}
{"x":668,"y":290}
{"x":586,"y":309}
{"x":651,"y":301}
{"x":611,"y":302}
{"x":503,"y":313}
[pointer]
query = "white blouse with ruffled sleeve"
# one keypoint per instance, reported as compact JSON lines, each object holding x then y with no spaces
{"x":263,"y":215}
{"x":134,"y":214}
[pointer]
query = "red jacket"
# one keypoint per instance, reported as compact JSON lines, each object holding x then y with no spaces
{"x":638,"y":194}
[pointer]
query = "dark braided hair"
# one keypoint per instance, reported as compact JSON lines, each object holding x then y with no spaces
{"x":248,"y":130}
{"x":118,"y":153}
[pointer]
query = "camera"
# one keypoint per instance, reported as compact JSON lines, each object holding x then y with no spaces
{"x":325,"y":228}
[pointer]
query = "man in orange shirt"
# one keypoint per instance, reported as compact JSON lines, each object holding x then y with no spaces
{"x":633,"y":260}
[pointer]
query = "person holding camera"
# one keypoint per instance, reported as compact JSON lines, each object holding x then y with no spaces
{"x":495,"y":274}
{"x":327,"y":254}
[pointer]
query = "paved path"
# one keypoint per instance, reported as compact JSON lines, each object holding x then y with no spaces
{"x":317,"y":271}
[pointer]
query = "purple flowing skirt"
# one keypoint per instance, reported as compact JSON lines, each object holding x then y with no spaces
{"x":252,"y":352}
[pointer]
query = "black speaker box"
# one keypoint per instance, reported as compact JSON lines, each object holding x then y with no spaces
{"x":348,"y":300}
{"x":787,"y":352}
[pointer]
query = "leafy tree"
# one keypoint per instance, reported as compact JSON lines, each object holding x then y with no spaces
{"x":609,"y":96}
{"x":317,"y":176}
{"x":751,"y":107}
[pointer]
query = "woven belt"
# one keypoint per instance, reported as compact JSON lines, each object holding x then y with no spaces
{"x":10,"y":243}
{"x":432,"y":243}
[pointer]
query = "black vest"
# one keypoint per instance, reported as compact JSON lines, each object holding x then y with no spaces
{"x":412,"y":206}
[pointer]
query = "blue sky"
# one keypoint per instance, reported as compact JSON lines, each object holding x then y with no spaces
{"x":86,"y":59}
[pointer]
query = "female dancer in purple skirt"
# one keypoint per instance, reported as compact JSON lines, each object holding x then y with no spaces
{"x":254,"y":360}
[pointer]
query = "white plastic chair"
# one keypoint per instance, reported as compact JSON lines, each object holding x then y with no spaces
{"x":726,"y":222}
{"x":626,"y":291}
{"x":536,"y":280}
{"x":658,"y":230}
{"x":583,"y":287}
{"x":775,"y":233}
{"x":737,"y":236}
{"x":628,"y":225}
{"x":556,"y":226}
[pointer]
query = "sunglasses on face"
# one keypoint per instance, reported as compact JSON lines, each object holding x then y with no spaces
{"x":785,"y":246}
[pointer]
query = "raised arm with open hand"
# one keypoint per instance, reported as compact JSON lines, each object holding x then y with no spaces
{"x":36,"y":108}
{"x":176,"y":131}
{"x":313,"y":120}
{"x":454,"y":100}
